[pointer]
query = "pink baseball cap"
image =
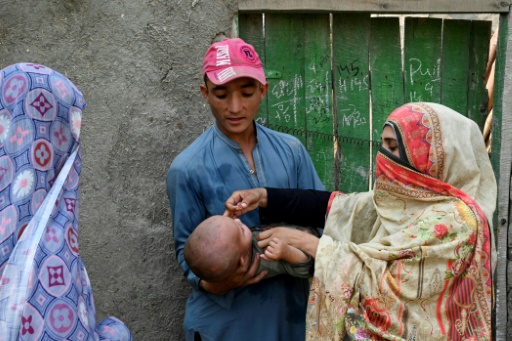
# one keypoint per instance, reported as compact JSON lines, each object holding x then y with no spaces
{"x":230,"y":59}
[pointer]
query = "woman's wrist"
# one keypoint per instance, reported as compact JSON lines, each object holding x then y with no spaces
{"x":263,"y":195}
{"x":308,"y":243}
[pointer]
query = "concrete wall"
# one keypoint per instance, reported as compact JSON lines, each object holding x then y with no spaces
{"x":138,"y":64}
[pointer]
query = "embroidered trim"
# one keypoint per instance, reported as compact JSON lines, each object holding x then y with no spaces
{"x":404,"y":145}
{"x":437,"y":141}
{"x":410,"y":192}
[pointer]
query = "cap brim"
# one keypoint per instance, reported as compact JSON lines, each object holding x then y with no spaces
{"x":223,"y":76}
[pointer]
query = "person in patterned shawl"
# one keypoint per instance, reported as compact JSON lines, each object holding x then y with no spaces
{"x":45,"y":293}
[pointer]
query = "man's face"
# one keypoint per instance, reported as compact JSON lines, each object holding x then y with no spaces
{"x":234,"y":105}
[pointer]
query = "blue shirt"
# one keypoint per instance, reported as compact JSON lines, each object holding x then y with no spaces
{"x":199,"y":181}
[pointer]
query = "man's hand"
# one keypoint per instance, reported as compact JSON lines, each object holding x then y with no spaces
{"x":241,"y":202}
{"x":245,"y":275}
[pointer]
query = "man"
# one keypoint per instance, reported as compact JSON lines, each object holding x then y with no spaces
{"x":236,"y":153}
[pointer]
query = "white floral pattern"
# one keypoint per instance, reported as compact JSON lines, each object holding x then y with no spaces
{"x":5,"y":124}
{"x":23,"y":184}
{"x":76,"y":121}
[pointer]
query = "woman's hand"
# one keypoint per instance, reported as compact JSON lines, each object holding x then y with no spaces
{"x":278,"y":250}
{"x":300,"y":239}
{"x":241,"y":202}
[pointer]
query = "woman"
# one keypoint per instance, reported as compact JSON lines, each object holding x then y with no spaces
{"x":411,"y":260}
{"x":45,"y":292}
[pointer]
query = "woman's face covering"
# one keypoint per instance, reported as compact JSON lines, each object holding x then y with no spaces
{"x":389,"y":141}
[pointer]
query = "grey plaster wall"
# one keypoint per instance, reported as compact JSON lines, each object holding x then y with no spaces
{"x":138,"y":64}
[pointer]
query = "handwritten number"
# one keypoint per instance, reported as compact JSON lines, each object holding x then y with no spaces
{"x":349,"y":70}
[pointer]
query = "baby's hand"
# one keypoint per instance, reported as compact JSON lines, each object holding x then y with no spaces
{"x":276,"y":250}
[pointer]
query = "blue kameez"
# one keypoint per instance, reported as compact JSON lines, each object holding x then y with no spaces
{"x":199,"y":181}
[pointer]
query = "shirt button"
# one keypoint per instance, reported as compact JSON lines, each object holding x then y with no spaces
{"x":252,"y":171}
{"x":240,"y":151}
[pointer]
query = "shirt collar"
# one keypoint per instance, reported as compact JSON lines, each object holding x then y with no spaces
{"x":228,"y":141}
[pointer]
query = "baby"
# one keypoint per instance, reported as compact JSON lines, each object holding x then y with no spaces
{"x":219,"y":245}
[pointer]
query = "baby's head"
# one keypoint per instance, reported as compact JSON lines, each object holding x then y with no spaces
{"x":217,"y":247}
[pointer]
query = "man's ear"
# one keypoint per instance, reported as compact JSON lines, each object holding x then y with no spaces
{"x":263,"y":90}
{"x":204,"y":91}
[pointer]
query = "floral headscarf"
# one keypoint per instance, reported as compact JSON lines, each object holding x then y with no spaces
{"x":413,"y":260}
{"x":45,"y":292}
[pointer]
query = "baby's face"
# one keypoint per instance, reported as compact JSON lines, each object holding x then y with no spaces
{"x":242,"y":235}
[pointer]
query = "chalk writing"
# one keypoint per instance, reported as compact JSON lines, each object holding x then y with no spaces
{"x":354,"y":84}
{"x":315,"y":86}
{"x":288,"y":89}
{"x":285,"y":88}
{"x":312,"y":67}
{"x":425,"y":77}
{"x":352,"y":80}
{"x":352,"y":117}
{"x":282,"y":111}
{"x":318,"y":106}
{"x":261,"y":120}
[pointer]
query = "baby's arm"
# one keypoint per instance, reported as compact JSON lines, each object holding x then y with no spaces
{"x":278,"y":250}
